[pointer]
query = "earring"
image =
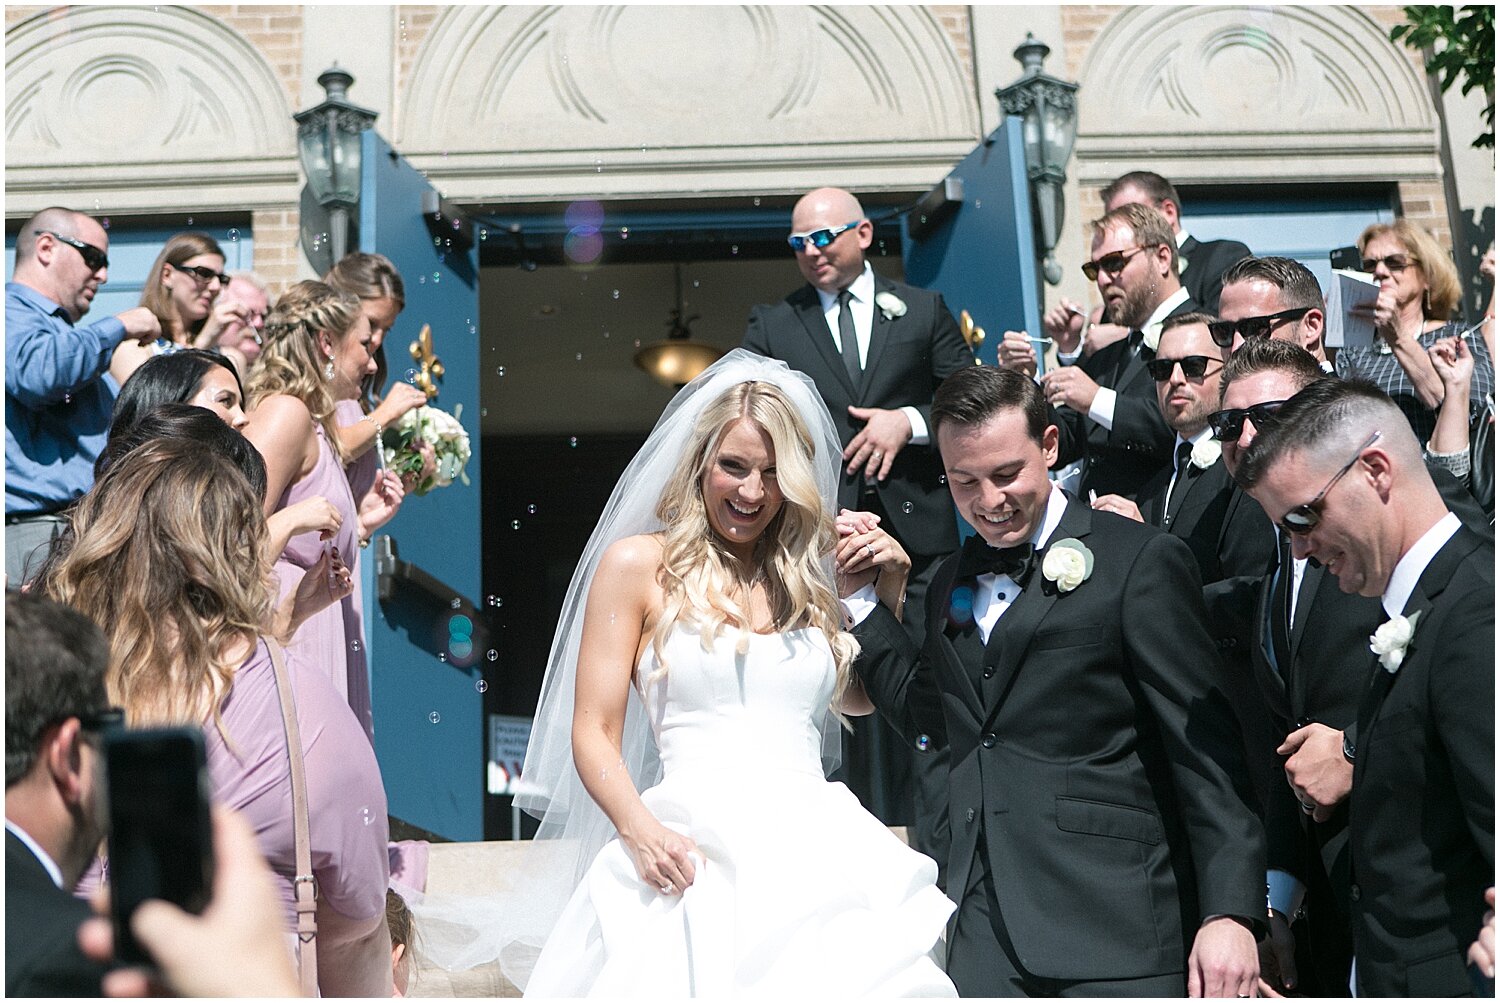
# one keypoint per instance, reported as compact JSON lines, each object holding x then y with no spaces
{"x":328,"y":371}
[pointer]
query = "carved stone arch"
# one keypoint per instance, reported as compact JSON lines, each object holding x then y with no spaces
{"x":517,"y":100}
{"x":1241,"y":93}
{"x":141,"y":104}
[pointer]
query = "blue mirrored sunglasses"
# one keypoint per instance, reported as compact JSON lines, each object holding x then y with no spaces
{"x":819,"y":238}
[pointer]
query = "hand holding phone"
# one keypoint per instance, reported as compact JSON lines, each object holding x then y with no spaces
{"x":160,"y":834}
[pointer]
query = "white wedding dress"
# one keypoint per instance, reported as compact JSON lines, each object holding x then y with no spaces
{"x":803,"y":892}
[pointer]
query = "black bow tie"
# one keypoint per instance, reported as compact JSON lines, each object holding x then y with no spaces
{"x":979,"y":558}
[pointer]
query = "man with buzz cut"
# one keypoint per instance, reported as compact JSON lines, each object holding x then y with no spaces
{"x":1102,"y":838}
{"x":876,"y":349}
{"x":1342,"y":474}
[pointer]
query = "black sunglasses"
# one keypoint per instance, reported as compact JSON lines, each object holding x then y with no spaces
{"x":1223,"y":331}
{"x":818,"y":238}
{"x":1229,"y":423}
{"x":1304,"y":518}
{"x":1194,"y":367}
{"x":1111,"y":264}
{"x":99,"y":721}
{"x":92,"y":256}
{"x":1392,"y":263}
{"x":201,"y":273}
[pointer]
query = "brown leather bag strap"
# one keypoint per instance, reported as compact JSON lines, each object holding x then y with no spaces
{"x":305,"y":884}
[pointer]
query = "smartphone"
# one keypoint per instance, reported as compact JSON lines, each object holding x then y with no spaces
{"x":1344,"y":257}
{"x":160,"y":832}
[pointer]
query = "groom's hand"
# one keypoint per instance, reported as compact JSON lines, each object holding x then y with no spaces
{"x":1224,"y":961}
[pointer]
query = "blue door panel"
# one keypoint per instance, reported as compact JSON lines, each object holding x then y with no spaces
{"x":427,"y":639}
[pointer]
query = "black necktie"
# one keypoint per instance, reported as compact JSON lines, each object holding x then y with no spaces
{"x":979,"y":558}
{"x":1180,"y":483}
{"x":847,"y":341}
{"x":1132,"y":347}
{"x":1280,"y":608}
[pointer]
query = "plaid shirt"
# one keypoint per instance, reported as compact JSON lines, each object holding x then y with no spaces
{"x":1382,"y":369}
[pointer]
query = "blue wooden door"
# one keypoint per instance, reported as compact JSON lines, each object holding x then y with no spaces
{"x":421,"y":574}
{"x":979,"y":253}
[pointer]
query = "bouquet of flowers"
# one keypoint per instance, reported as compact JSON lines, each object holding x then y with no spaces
{"x":446,"y":445}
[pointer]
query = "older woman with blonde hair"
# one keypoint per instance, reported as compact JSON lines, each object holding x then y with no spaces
{"x":1419,"y":290}
{"x":688,"y":706}
{"x":166,"y":559}
{"x":182,"y":290}
{"x":315,"y":353}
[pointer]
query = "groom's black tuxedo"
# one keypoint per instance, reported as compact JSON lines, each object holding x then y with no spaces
{"x":908,"y":357}
{"x":1096,"y":764}
{"x":1422,"y":811}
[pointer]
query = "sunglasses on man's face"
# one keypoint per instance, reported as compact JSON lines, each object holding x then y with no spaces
{"x":1392,"y":263}
{"x":1194,"y":367}
{"x":1111,"y":264}
{"x":202,"y":274}
{"x":92,"y":256}
{"x":1305,"y":518}
{"x":1223,"y":331}
{"x":1227,"y":425}
{"x":818,"y":238}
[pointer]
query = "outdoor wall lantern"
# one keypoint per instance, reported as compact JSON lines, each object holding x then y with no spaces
{"x":328,"y":144}
{"x":1049,"y":114}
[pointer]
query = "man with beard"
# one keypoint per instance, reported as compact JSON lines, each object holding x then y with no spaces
{"x":1107,"y":405}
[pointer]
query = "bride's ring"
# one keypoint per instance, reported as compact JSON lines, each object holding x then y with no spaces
{"x":877,"y":454}
{"x":666,"y":889}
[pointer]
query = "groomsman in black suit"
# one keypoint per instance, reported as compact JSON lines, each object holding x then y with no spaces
{"x":1107,"y":402}
{"x":1102,"y":842}
{"x":1201,"y":263}
{"x":1341,"y":472}
{"x":1232,"y":541}
{"x":55,"y":661}
{"x":876,"y":349}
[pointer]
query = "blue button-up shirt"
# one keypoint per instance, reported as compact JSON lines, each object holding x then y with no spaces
{"x":58,"y":399}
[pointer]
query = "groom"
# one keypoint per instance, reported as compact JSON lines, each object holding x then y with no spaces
{"x":1101,"y":839}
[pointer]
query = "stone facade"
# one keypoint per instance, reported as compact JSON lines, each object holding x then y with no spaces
{"x":147,"y":112}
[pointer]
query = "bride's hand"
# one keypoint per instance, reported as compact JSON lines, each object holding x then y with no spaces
{"x":873,"y":556}
{"x":663,"y":857}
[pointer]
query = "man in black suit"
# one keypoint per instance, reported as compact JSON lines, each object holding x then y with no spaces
{"x":1102,"y":841}
{"x":1107,"y":403}
{"x":876,"y":349}
{"x":1201,"y":263}
{"x":1341,"y":472}
{"x":1231,"y":539}
{"x":55,"y":700}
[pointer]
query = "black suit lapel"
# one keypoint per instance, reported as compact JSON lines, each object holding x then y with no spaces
{"x":942,"y":586}
{"x":880,"y":334}
{"x":1313,"y":578}
{"x":1200,"y":490}
{"x":809,"y":308}
{"x":1019,"y":624}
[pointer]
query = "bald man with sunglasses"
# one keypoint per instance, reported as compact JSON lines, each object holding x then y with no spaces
{"x":877,"y":350}
{"x":58,"y":395}
{"x":1341,"y":472}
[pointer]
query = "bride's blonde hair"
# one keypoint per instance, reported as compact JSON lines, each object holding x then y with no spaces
{"x":696,"y":575}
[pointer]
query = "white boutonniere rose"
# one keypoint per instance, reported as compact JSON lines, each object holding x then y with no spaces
{"x":1392,"y":638}
{"x":1182,"y":264}
{"x":1068,"y":564}
{"x":891,"y":305}
{"x":1206,"y":453}
{"x":1151,"y":336}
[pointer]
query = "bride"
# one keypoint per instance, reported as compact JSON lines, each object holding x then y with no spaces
{"x":689,"y":702}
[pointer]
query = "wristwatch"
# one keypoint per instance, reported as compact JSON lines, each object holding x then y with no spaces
{"x":1349,"y":748}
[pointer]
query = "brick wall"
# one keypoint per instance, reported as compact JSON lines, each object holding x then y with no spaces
{"x":278,"y":256}
{"x":413,"y":23}
{"x":954,"y":19}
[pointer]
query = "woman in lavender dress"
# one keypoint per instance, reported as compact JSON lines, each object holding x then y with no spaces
{"x":316,"y":353}
{"x":360,"y":420}
{"x":167,"y":560}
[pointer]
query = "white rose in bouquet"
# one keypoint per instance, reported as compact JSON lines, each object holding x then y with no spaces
{"x":442,"y":432}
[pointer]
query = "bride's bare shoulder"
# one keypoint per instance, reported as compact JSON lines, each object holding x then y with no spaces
{"x":633,"y":556}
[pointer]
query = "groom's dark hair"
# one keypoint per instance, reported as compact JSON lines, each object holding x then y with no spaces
{"x":974,"y":394}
